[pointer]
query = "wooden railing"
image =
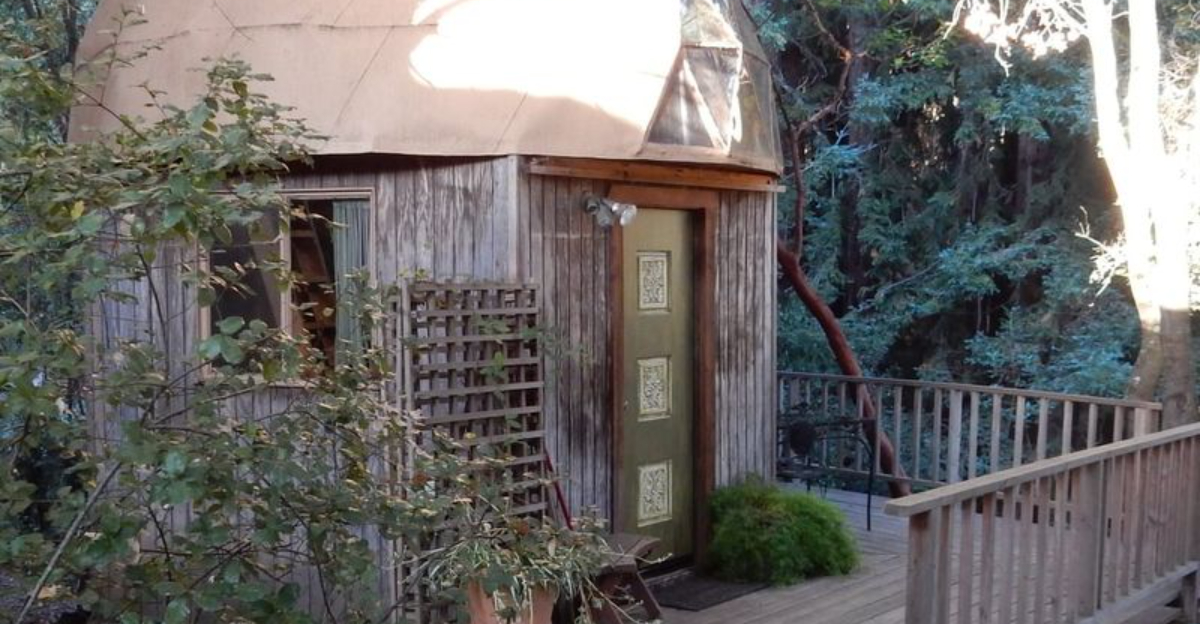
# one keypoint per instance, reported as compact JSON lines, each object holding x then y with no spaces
{"x":949,"y":432}
{"x":1097,"y":535}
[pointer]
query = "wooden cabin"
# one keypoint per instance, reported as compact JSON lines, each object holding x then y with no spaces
{"x":620,"y":157}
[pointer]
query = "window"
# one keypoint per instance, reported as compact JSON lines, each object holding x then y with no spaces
{"x":325,"y":244}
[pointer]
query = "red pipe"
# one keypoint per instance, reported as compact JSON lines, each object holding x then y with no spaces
{"x":558,"y":491}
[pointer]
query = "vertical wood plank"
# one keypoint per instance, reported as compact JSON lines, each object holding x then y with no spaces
{"x":921,"y":605}
{"x":1139,"y":527}
{"x":997,"y":425}
{"x":1093,"y":424}
{"x":1188,"y":597}
{"x":954,"y":437}
{"x":1040,"y":578}
{"x":1008,"y":570}
{"x":987,"y":558}
{"x":1019,"y":433}
{"x":879,"y":431}
{"x":916,"y":433}
{"x":1068,"y":426}
{"x":945,"y":521}
{"x":1111,"y":532}
{"x":1060,"y":568}
{"x":935,"y":462}
{"x":966,"y":559}
{"x":1025,"y":570}
{"x":973,"y":437}
{"x":1089,"y":538}
{"x":897,"y":418}
{"x":1043,"y":427}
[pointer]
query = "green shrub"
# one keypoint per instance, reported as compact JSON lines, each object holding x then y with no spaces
{"x":762,"y":533}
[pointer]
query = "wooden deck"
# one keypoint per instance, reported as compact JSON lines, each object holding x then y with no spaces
{"x":872,"y":594}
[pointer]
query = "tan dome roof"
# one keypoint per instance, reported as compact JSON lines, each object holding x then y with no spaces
{"x":672,"y":80}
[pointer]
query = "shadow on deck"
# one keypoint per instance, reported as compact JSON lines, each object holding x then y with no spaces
{"x":874,"y":593}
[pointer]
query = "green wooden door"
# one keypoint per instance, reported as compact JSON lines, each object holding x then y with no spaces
{"x":659,"y":350}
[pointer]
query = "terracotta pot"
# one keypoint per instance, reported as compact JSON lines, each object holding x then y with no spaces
{"x":483,"y":608}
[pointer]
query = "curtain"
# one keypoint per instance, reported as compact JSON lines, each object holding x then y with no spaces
{"x":350,"y":245}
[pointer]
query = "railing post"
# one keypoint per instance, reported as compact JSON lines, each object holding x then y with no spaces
{"x":1088,"y":522}
{"x":954,"y":438}
{"x":922,"y":570}
{"x":1187,"y":598}
{"x":1142,"y":424}
{"x":1193,"y":498}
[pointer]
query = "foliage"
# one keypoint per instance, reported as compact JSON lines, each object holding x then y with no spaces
{"x":512,"y":556}
{"x":764,"y":533}
{"x":945,"y":202}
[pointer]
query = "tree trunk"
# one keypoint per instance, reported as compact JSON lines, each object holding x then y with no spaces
{"x":854,"y":262}
{"x":70,"y":19}
{"x":1172,"y":221}
{"x":789,"y":263}
{"x":1154,"y":202}
{"x":1135,"y":210}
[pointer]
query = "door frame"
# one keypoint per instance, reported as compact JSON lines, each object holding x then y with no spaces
{"x":705,"y":205}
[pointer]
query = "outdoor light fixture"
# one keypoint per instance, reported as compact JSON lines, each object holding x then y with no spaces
{"x":608,"y":212}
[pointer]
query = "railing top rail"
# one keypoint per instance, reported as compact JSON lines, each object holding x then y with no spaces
{"x":998,"y":481}
{"x":1036,"y":394}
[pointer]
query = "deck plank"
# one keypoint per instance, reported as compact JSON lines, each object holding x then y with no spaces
{"x":872,"y":593}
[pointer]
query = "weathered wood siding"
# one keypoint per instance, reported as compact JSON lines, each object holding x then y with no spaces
{"x":447,"y":219}
{"x":565,"y":252}
{"x":745,"y":336}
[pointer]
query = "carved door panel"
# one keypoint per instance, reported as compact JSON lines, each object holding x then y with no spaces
{"x":659,"y":351}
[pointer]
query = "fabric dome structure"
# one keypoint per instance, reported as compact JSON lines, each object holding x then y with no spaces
{"x":657,"y":80}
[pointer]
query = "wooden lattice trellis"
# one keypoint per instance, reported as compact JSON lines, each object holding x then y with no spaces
{"x":470,"y":364}
{"x":473,"y":369}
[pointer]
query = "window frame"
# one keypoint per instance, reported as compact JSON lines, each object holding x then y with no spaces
{"x":204,"y":312}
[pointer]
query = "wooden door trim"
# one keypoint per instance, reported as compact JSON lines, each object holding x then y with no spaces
{"x":680,"y":176}
{"x":706,"y":204}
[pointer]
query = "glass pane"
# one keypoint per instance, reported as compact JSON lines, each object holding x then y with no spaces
{"x":313,"y":295}
{"x":716,"y":72}
{"x":706,"y":23}
{"x":681,"y":118}
{"x":720,"y":94}
{"x":758,"y":137}
{"x":256,"y":296}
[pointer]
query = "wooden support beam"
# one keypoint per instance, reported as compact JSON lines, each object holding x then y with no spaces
{"x":695,"y":176}
{"x":922,"y":570}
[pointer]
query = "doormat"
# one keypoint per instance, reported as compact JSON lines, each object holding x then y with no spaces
{"x":696,"y":593}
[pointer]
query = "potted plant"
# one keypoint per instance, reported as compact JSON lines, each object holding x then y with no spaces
{"x":512,"y":569}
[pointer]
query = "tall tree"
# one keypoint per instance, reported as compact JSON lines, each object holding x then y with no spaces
{"x":789,"y":258}
{"x":1147,"y":156}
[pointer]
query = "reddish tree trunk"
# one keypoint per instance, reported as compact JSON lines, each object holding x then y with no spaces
{"x":790,"y":265}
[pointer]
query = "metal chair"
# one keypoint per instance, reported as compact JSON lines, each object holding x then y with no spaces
{"x":803,"y":435}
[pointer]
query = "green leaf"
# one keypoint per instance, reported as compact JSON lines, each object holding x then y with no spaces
{"x":177,"y":612}
{"x":232,"y":351}
{"x":90,"y":224}
{"x":175,"y":463}
{"x":231,"y":325}
{"x":180,"y":185}
{"x":173,"y":215}
{"x":206,"y":295}
{"x":210,"y":348}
